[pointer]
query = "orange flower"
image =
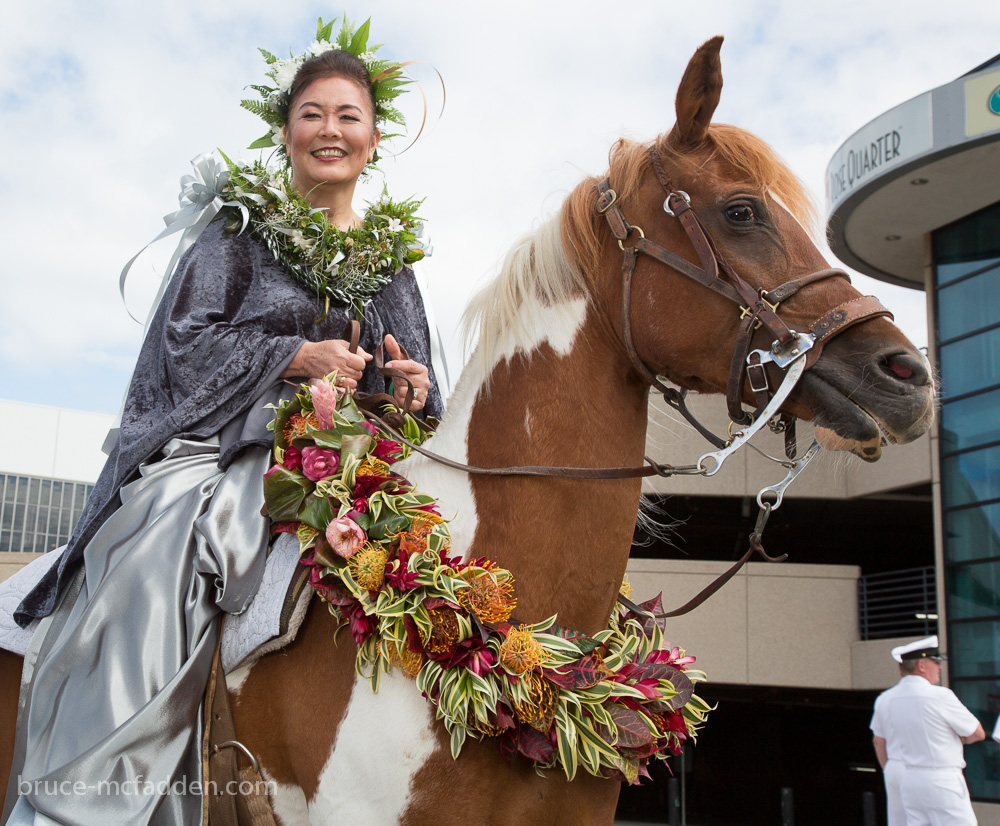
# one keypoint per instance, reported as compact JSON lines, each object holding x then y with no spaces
{"x":368,"y":566}
{"x":626,"y":587}
{"x":540,"y":710}
{"x":295,"y":427}
{"x":404,"y":659}
{"x":520,"y":652}
{"x":373,"y":467}
{"x":416,"y":536}
{"x":490,"y":599}
{"x":444,"y":631}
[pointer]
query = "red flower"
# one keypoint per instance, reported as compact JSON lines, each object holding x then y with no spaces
{"x":400,"y":577}
{"x":474,"y":655}
{"x":360,"y":505}
{"x":319,"y":463}
{"x":362,"y":626}
{"x":292,"y":459}
{"x":365,"y":486}
{"x":387,"y":451}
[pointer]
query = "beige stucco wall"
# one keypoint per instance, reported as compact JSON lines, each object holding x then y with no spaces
{"x":10,"y":563}
{"x":773,"y":624}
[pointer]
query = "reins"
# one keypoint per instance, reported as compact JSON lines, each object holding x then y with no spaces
{"x":792,"y":351}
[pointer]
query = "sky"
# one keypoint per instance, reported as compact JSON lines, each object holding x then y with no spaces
{"x":103,"y":104}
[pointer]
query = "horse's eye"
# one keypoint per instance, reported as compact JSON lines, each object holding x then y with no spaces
{"x":740,"y":213}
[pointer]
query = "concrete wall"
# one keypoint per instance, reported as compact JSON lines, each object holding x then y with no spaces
{"x":773,"y":624}
{"x":10,"y":563}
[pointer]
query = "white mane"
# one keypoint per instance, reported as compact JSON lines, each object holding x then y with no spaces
{"x":512,"y":311}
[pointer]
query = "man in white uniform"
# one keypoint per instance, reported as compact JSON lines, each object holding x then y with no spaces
{"x":924,"y":726}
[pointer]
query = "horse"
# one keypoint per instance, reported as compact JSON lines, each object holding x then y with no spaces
{"x":561,"y":377}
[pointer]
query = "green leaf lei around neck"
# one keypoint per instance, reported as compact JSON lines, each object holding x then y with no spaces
{"x":345,"y":268}
{"x":378,"y":555}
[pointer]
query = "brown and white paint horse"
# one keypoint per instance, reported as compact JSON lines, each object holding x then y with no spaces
{"x":551,"y":383}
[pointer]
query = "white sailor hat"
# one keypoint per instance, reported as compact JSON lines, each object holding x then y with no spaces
{"x":927,"y":648}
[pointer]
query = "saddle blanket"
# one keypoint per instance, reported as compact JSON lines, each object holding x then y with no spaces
{"x":274,"y":613}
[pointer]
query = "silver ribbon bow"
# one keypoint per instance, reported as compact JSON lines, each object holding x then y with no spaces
{"x":201,"y":199}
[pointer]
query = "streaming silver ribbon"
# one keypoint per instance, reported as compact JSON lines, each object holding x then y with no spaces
{"x":201,"y":199}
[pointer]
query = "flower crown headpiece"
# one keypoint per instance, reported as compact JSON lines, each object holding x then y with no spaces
{"x":386,"y":76}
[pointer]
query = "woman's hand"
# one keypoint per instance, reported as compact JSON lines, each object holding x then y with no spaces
{"x":316,"y":359}
{"x":413,"y":370}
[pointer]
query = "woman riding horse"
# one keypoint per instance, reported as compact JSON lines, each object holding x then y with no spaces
{"x":173,"y":534}
{"x":608,"y":296}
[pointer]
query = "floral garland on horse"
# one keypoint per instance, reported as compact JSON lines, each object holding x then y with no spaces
{"x":378,"y":554}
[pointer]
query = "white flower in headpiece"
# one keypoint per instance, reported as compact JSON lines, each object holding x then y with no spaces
{"x":395,"y":225}
{"x":277,"y":135}
{"x":367,"y":57}
{"x":284,"y":71}
{"x":319,"y":46}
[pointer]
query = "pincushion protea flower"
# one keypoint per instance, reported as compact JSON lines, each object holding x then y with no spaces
{"x":373,"y":467}
{"x":520,"y":652}
{"x":295,"y":427}
{"x":368,"y":566}
{"x":444,"y":631}
{"x":489,"y":597}
{"x":540,"y":710}
{"x":404,"y":659}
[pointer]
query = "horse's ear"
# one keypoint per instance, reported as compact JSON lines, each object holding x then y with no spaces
{"x":698,"y":95}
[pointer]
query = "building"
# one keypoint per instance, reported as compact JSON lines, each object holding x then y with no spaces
{"x":914,"y":199}
{"x":44,"y":480}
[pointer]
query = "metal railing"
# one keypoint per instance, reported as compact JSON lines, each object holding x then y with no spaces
{"x":897,"y":604}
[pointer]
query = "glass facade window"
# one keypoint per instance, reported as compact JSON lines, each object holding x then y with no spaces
{"x":971,"y":421}
{"x":970,"y":364}
{"x":973,"y":533}
{"x":38,"y":515}
{"x":967,"y":309}
{"x":971,"y":305}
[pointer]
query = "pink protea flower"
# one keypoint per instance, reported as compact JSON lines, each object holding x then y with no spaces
{"x":292,"y":459}
{"x":325,"y":396}
{"x":319,"y":463}
{"x":345,"y":536}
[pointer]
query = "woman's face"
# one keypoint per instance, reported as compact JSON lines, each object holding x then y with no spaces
{"x":329,"y":136}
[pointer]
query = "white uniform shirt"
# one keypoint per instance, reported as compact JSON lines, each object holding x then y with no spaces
{"x":891,"y":748}
{"x":922,"y":723}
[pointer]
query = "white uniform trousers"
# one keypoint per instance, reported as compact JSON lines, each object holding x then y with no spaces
{"x":893,"y":776}
{"x":936,"y":797}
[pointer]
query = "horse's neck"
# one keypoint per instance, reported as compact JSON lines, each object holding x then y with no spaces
{"x":563,"y":401}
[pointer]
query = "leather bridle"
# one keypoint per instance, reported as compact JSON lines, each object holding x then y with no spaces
{"x":758,"y":307}
{"x":791,"y":350}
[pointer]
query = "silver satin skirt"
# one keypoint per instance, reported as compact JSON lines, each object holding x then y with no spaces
{"x":114,"y":726}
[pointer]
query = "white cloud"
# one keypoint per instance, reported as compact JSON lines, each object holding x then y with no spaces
{"x":103,"y":104}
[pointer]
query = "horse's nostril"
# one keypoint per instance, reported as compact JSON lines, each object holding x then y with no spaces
{"x":904,"y":367}
{"x":900,"y":370}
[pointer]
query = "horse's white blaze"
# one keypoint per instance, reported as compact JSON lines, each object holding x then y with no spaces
{"x":382,"y":742}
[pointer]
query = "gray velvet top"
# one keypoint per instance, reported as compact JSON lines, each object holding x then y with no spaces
{"x":230,"y":321}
